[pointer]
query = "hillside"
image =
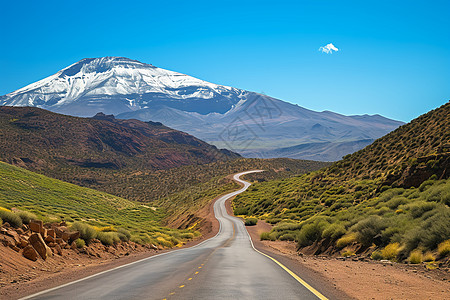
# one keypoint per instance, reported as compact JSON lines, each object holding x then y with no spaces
{"x":55,"y":201}
{"x":242,"y":121}
{"x":395,"y":190}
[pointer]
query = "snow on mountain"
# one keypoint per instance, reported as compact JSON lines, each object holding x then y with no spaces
{"x":246,"y":122}
{"x":118,"y":84}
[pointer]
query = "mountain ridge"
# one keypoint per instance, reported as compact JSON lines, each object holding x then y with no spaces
{"x":133,"y":90}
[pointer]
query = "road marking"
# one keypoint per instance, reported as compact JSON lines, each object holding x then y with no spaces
{"x":196,"y":273}
{"x":173,"y":293}
{"x":295,"y":276}
{"x":190,"y":278}
{"x":199,"y":267}
{"x":181,"y":286}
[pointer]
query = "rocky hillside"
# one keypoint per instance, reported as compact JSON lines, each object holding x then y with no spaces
{"x":72,"y":148}
{"x":394,"y":193}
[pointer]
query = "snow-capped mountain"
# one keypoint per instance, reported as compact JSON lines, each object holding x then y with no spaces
{"x":246,"y":122}
{"x":117,"y":84}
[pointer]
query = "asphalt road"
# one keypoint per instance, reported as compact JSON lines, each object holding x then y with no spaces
{"x":223,"y":267}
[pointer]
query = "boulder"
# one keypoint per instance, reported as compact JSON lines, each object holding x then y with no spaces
{"x":20,"y":231}
{"x":14,"y":235}
{"x":73,"y":246}
{"x":6,"y":225}
{"x":23,"y":243}
{"x":73,"y":236}
{"x":35,"y":225}
{"x":65,"y":236}
{"x":60,"y":230}
{"x":51,"y":232}
{"x":58,"y":249}
{"x":30,"y":253}
{"x":43,"y":233}
{"x":49,"y":239}
{"x":39,"y":245}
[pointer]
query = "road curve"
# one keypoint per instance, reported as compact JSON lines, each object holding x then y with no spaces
{"x":223,"y":267}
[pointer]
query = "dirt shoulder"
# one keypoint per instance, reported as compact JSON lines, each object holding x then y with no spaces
{"x":354,"y":279}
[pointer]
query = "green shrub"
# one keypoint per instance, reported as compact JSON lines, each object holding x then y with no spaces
{"x":12,"y":218}
{"x":265,"y":236}
{"x":250,"y":221}
{"x":417,"y":209}
{"x":346,"y":240}
{"x":87,"y":232}
{"x":108,"y":238}
{"x":334,"y":231}
{"x":415,"y":257}
{"x":311,"y":232}
{"x":124,"y":235}
{"x":444,"y":248}
{"x":26,"y":216}
{"x":368,"y":228}
{"x":287,"y":237}
{"x":376,"y":255}
{"x":428,"y":256}
{"x":347,"y":253}
{"x":391,"y":251}
{"x":240,"y":211}
{"x":80,"y":243}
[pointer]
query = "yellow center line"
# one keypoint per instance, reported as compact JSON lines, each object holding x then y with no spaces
{"x":173,"y":293}
{"x":190,"y":278}
{"x":181,"y":286}
{"x":196,"y":273}
{"x":199,"y":267}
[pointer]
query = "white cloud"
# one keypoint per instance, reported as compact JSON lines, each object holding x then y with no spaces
{"x":328,"y":49}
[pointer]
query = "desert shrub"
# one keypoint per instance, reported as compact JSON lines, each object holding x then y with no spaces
{"x":287,"y":237}
{"x":273,"y":220}
{"x":80,"y":243}
{"x":444,"y":248}
{"x":368,"y":228}
{"x":10,"y":217}
{"x":417,"y":209}
{"x":415,"y":257}
{"x":124,"y":235}
{"x":334,"y":231}
{"x":1,"y":222}
{"x":287,"y":227}
{"x":391,"y":251}
{"x":187,"y":235}
{"x":428,"y":256}
{"x":265,"y":236}
{"x":250,"y":221}
{"x":108,"y":229}
{"x":311,"y":232}
{"x":87,"y":232}
{"x":108,"y":238}
{"x":240,"y":211}
{"x":346,"y":240}
{"x":26,"y":216}
{"x":445,"y":197}
{"x":376,"y":255}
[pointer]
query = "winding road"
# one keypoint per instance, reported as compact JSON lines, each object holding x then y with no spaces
{"x":226,"y":266}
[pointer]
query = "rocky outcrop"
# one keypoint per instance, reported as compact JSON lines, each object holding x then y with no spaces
{"x":30,"y":253}
{"x":39,"y":245}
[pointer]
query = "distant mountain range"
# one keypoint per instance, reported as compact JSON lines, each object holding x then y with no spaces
{"x":249,"y":123}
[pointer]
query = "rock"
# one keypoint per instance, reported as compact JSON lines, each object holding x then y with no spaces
{"x":65,"y":236}
{"x":35,"y":225}
{"x":153,"y":247}
{"x":59,"y":241}
{"x":14,"y":247}
{"x":63,"y":223}
{"x":30,"y":253}
{"x":43,"y":233}
{"x":25,"y":227}
{"x":39,"y":245}
{"x":6,"y":225}
{"x":51,"y":244}
{"x":23,"y":243}
{"x":49,"y":239}
{"x":58,"y":249}
{"x":73,"y":236}
{"x":73,"y":246}
{"x":60,"y":230}
{"x":14,"y":235}
{"x":7,"y":241}
{"x":3,"y":230}
{"x":20,"y":231}
{"x":51,"y":232}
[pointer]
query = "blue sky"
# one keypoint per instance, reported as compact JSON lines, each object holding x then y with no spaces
{"x":393,"y":58}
